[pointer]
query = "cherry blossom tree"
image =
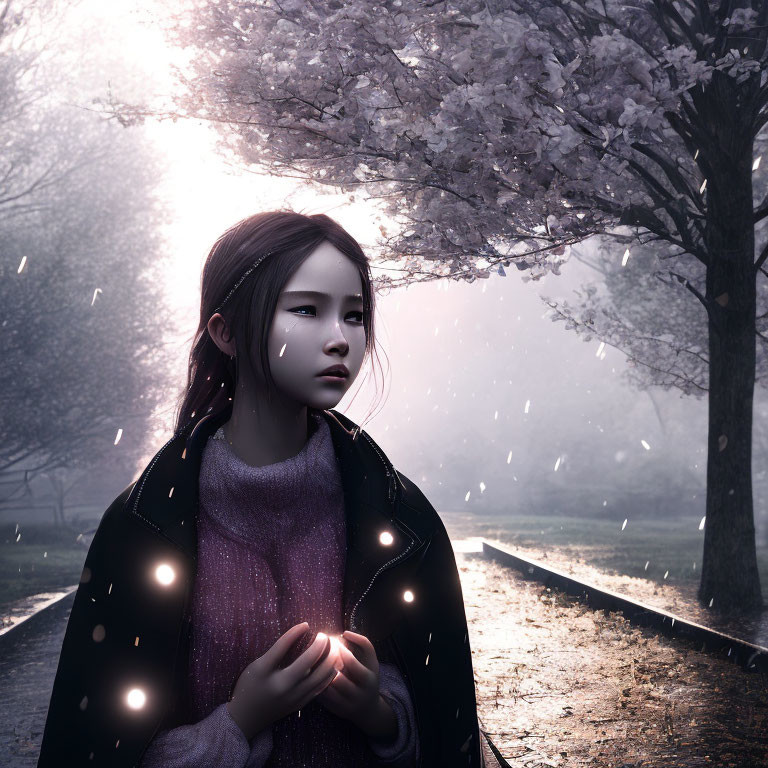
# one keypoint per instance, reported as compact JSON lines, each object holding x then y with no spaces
{"x":497,"y":133}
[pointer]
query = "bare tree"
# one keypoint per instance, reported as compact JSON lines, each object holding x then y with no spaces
{"x":82,"y":309}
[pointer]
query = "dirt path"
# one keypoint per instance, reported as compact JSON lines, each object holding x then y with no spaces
{"x":561,"y":685}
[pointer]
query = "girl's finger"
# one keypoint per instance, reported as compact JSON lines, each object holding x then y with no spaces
{"x":365,"y":646}
{"x":331,"y":698}
{"x":341,"y":686}
{"x":284,"y":642}
{"x":310,"y":659}
{"x":324,"y":683}
{"x":353,"y":669}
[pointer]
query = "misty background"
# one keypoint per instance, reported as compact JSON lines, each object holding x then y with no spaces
{"x":489,"y":406}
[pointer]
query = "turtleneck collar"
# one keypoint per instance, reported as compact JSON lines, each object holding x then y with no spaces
{"x":246,"y":501}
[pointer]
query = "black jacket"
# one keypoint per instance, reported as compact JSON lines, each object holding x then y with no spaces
{"x":128,"y":630}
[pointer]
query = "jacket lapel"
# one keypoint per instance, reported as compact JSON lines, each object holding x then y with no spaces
{"x":166,"y":498}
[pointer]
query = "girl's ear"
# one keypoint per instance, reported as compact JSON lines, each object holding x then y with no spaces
{"x":218,"y":331}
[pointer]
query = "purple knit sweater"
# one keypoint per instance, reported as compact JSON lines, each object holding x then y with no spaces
{"x":271,"y":554}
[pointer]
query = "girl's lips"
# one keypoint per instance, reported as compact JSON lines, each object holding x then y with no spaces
{"x":331,"y":377}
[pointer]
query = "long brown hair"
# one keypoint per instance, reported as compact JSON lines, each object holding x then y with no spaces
{"x":291,"y":237}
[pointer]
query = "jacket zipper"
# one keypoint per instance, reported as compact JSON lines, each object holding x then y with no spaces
{"x":386,"y":565}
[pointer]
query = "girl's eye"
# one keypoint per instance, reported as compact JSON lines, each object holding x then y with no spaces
{"x":310,"y":306}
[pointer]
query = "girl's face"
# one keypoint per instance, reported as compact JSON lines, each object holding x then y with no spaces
{"x":318,"y":322}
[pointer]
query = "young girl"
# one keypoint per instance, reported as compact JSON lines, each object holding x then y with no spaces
{"x":304,"y":606}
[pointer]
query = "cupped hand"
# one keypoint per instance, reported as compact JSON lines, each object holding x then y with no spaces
{"x":354,"y":693}
{"x":265,"y":692}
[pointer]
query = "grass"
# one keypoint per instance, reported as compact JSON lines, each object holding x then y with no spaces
{"x":671,"y":546}
{"x":45,"y":559}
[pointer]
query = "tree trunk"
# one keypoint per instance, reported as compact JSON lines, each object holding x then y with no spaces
{"x":729,"y":578}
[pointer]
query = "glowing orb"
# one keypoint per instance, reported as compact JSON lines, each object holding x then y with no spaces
{"x":386,"y":538}
{"x":135,"y":698}
{"x":408,"y":596}
{"x":165,"y":574}
{"x":335,"y":644}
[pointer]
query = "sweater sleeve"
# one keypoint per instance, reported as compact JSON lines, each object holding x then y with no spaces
{"x":215,"y":741}
{"x":403,"y":752}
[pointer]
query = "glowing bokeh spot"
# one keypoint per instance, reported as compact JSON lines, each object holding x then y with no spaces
{"x":165,"y":574}
{"x":99,"y":633}
{"x":408,"y":596}
{"x":386,"y":538}
{"x":136,"y":698}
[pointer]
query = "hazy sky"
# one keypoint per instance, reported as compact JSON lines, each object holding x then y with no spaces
{"x":479,"y":380}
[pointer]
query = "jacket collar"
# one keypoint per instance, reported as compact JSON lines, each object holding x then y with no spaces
{"x":166,"y":498}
